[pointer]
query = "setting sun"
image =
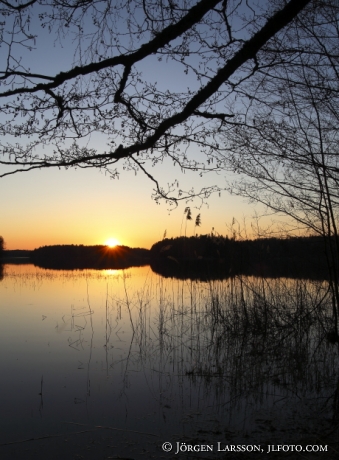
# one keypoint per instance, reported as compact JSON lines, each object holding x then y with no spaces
{"x":112,"y":242}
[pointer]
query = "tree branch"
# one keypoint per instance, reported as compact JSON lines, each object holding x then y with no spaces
{"x":168,"y":34}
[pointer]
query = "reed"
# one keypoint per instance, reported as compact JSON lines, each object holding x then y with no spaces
{"x":247,"y":343}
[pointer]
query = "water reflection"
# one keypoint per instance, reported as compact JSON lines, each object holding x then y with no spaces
{"x":244,"y":360}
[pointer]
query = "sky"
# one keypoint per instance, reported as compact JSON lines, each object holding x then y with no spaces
{"x":46,"y":207}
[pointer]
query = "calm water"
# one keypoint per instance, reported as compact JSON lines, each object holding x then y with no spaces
{"x":154,"y":360}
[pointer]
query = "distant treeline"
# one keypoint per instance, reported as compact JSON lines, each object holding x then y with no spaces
{"x":79,"y":256}
{"x":210,"y":256}
{"x":202,"y":257}
{"x":16,"y":256}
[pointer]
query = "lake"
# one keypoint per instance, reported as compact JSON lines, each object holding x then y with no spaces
{"x":113,"y":363}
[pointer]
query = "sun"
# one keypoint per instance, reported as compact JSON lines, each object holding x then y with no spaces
{"x":112,"y":242}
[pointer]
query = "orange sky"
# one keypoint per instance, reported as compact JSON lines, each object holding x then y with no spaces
{"x":86,"y":207}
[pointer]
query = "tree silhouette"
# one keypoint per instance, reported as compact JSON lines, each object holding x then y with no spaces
{"x":2,"y":247}
{"x":212,"y":46}
{"x":287,"y":150}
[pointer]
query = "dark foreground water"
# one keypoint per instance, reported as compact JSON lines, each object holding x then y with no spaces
{"x":113,"y":364}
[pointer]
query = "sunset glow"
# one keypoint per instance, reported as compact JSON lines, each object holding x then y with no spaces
{"x":112,"y":242}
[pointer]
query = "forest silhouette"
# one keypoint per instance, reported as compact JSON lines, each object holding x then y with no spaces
{"x":200,"y":257}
